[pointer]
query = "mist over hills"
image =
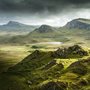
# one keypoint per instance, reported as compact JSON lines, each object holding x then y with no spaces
{"x":20,"y":28}
{"x":77,"y":28}
{"x":62,"y":34}
{"x":16,"y":27}
{"x":14,"y":24}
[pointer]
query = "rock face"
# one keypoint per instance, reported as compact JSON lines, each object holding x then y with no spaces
{"x":44,"y":29}
{"x":78,"y":23}
{"x":73,"y":51}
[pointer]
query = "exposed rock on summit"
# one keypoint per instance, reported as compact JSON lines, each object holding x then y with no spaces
{"x":73,"y":51}
{"x":79,"y":24}
{"x":44,"y":29}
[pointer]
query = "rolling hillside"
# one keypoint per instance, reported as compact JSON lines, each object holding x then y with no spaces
{"x":45,"y":71}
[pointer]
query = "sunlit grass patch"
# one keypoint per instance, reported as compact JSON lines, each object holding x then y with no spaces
{"x":66,"y":62}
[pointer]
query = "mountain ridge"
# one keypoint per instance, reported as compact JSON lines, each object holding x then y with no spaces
{"x":45,"y":33}
{"x":16,"y":27}
{"x":79,"y":23}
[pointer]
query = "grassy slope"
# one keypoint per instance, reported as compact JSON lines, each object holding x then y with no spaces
{"x":33,"y":71}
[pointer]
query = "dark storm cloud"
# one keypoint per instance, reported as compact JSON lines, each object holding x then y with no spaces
{"x":41,"y":5}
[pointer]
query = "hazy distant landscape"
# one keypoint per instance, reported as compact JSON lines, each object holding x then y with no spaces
{"x":44,"y":45}
{"x":74,"y":32}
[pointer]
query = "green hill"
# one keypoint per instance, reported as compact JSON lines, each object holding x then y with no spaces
{"x":41,"y":71}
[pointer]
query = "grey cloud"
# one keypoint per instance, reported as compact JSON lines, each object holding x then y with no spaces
{"x":33,"y":6}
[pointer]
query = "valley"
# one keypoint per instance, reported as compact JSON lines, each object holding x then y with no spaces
{"x":46,"y":58}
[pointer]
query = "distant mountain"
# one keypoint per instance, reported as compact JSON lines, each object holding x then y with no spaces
{"x":44,"y":29}
{"x":77,"y":28}
{"x":14,"y":24}
{"x":37,"y":35}
{"x":79,"y":23}
{"x":16,"y":27}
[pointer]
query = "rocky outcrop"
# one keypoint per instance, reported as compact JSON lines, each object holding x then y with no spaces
{"x":44,"y":29}
{"x":73,"y":51}
{"x":77,"y":23}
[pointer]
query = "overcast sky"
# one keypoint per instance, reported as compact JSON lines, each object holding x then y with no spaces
{"x":37,"y":12}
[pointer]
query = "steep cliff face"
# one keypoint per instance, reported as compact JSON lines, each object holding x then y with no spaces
{"x":79,"y":24}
